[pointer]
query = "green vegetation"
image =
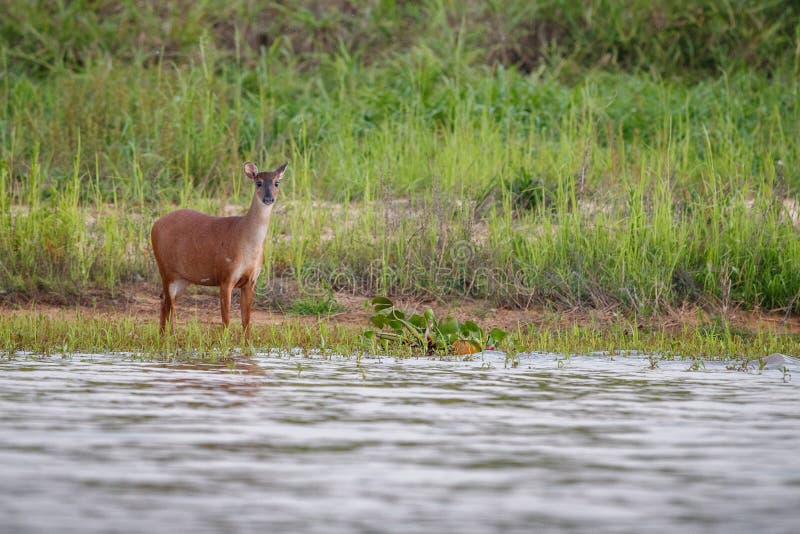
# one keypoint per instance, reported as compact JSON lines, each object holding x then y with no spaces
{"x":423,"y":332}
{"x":43,"y":335}
{"x":597,"y":154}
{"x":38,"y":334}
{"x":668,"y":37}
{"x":315,"y":306}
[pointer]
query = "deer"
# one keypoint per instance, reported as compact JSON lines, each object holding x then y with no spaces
{"x":194,"y":248}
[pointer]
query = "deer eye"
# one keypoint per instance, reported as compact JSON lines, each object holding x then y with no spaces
{"x":277,"y":183}
{"x":259,"y":183}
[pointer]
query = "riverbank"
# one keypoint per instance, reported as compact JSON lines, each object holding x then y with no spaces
{"x":141,"y":301}
{"x":128,"y":322}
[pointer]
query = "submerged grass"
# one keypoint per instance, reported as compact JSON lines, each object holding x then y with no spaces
{"x":30,"y":332}
{"x":43,"y":335}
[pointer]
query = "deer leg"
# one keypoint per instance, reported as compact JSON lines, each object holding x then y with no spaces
{"x":171,"y":292}
{"x":172,"y":315}
{"x":225,"y":290}
{"x":167,"y":309}
{"x":246,"y":304}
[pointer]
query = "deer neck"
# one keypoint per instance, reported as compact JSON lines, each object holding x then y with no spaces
{"x":254,"y":223}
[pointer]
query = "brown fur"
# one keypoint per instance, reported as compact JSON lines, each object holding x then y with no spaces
{"x":194,"y":248}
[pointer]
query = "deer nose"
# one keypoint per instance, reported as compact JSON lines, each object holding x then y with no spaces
{"x":268,"y":200}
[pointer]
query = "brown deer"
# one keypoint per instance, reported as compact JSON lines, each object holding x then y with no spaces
{"x":194,"y":248}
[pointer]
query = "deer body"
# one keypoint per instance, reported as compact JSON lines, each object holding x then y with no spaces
{"x":194,"y":248}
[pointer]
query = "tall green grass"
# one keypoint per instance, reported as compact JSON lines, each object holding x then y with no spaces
{"x":423,"y":167}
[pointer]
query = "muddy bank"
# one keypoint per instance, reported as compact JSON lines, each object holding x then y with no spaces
{"x":141,"y":300}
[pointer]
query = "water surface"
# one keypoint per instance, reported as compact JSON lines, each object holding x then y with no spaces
{"x":284,"y":442}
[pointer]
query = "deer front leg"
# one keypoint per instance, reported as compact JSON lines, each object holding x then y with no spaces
{"x":225,"y":290}
{"x":248,"y":293}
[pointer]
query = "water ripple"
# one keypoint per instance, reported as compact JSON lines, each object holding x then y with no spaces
{"x":282,"y":442}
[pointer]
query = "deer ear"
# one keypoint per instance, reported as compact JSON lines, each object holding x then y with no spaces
{"x":280,"y":170}
{"x":250,"y":170}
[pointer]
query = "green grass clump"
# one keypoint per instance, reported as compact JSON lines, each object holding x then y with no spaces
{"x":315,"y":306}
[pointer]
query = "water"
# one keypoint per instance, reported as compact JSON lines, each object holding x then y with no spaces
{"x":286,"y":443}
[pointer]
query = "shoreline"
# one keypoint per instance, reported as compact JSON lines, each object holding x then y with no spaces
{"x":126,"y":324}
{"x":141,"y":301}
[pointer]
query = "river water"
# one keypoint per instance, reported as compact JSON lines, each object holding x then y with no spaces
{"x":283,"y":442}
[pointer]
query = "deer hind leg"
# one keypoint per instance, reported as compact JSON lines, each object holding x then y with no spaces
{"x":170,"y":292}
{"x":225,"y":291}
{"x":167,"y":310}
{"x":246,"y":304}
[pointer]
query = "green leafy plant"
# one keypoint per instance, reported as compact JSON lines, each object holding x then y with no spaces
{"x":427,"y":333}
{"x":315,"y":306}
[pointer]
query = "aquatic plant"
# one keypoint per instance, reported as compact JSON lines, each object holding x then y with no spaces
{"x":424,"y":332}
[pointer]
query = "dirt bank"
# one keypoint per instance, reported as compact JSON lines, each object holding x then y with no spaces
{"x":142,"y":302}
